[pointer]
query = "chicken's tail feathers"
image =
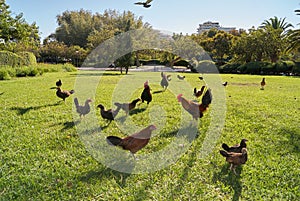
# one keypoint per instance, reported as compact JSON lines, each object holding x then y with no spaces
{"x":179,"y":97}
{"x":76,"y":102}
{"x":113,"y":140}
{"x":224,"y":153}
{"x":225,"y":146}
{"x":195,"y":90}
{"x":207,"y":97}
{"x":117,"y":104}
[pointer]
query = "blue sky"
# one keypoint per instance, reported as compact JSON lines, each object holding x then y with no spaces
{"x":169,"y":15}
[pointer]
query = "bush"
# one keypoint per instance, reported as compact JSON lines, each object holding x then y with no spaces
{"x":10,"y":59}
{"x":229,"y":68}
{"x":206,"y":66}
{"x":4,"y":75}
{"x":69,"y":67}
{"x":29,"y":58}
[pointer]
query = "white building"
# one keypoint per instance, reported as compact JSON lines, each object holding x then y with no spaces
{"x":206,"y":26}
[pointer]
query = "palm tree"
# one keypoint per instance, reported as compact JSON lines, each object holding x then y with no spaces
{"x":276,"y":23}
{"x":294,"y":37}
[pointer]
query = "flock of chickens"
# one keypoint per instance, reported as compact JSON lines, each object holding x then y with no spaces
{"x":235,"y":155}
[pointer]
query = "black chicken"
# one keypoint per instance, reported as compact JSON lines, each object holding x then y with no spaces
{"x":82,"y":110}
{"x":146,"y":94}
{"x":198,"y":93}
{"x":63,"y":94}
{"x":236,"y":148}
{"x":108,"y":114}
{"x":58,"y":83}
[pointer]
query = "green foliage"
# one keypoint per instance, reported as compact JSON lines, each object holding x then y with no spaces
{"x":10,"y":59}
{"x":29,"y":58}
{"x":69,"y":67}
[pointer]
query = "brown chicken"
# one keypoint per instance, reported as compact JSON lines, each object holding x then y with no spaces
{"x":181,"y":77}
{"x":263,"y":83}
{"x":82,"y":110}
{"x":108,"y":114}
{"x":127,"y":107}
{"x":236,"y":148}
{"x":196,"y":109}
{"x":146,"y":94}
{"x":200,"y":92}
{"x":63,"y":94}
{"x":235,"y":159}
{"x":134,"y":142}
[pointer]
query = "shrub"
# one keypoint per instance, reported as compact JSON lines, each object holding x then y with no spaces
{"x":10,"y":59}
{"x":69,"y":67}
{"x":4,"y":75}
{"x":206,"y":66}
{"x":29,"y":58}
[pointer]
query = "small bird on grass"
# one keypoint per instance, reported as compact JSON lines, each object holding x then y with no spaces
{"x":108,"y":114}
{"x":224,"y":84}
{"x":59,"y":83}
{"x":198,"y":93}
{"x":262,"y":84}
{"x":63,"y":94}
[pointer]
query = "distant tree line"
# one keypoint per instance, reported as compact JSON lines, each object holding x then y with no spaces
{"x":271,"y":48}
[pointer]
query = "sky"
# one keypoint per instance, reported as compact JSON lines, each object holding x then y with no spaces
{"x":166,"y":15}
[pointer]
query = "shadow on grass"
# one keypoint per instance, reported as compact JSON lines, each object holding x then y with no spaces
{"x":137,"y":111}
{"x":1,"y":93}
{"x":106,"y":173}
{"x":98,"y":74}
{"x":293,"y":136}
{"x":157,"y":92}
{"x":24,"y":110}
{"x":230,"y":179}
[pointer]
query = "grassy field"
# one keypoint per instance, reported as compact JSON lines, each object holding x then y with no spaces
{"x":44,"y":154}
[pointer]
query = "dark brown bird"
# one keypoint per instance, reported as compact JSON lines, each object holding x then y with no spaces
{"x":181,"y":77}
{"x":146,"y":94}
{"x":263,"y":83}
{"x":200,"y":92}
{"x":145,"y":4}
{"x":235,"y":159}
{"x":224,"y":84}
{"x":134,"y":142}
{"x":82,"y":110}
{"x":196,"y":109}
{"x":236,"y":148}
{"x":108,"y":114}
{"x":200,"y":78}
{"x":63,"y":94}
{"x":58,"y":83}
{"x":127,"y":107}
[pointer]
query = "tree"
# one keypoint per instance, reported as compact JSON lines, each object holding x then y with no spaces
{"x":276,"y":23}
{"x":15,"y":33}
{"x":293,"y":37}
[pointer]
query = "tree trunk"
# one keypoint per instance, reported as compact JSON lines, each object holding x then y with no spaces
{"x":138,"y":64}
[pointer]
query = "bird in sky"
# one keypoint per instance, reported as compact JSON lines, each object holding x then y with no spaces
{"x":145,"y":4}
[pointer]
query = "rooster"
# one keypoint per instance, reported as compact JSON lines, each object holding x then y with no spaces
{"x":200,"y":92}
{"x":134,"y":142}
{"x":180,"y":77}
{"x":82,"y":110}
{"x":128,"y":106}
{"x":196,"y":109}
{"x":58,"y":83}
{"x":108,"y":114}
{"x":237,"y":148}
{"x":63,"y":94}
{"x":235,"y":159}
{"x":263,"y":83}
{"x":146,"y":94}
{"x":164,"y":83}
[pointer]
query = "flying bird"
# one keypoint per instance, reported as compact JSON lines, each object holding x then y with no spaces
{"x":134,"y":142}
{"x":145,"y":4}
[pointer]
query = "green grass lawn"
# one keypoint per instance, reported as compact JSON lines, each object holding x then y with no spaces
{"x":48,"y":153}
